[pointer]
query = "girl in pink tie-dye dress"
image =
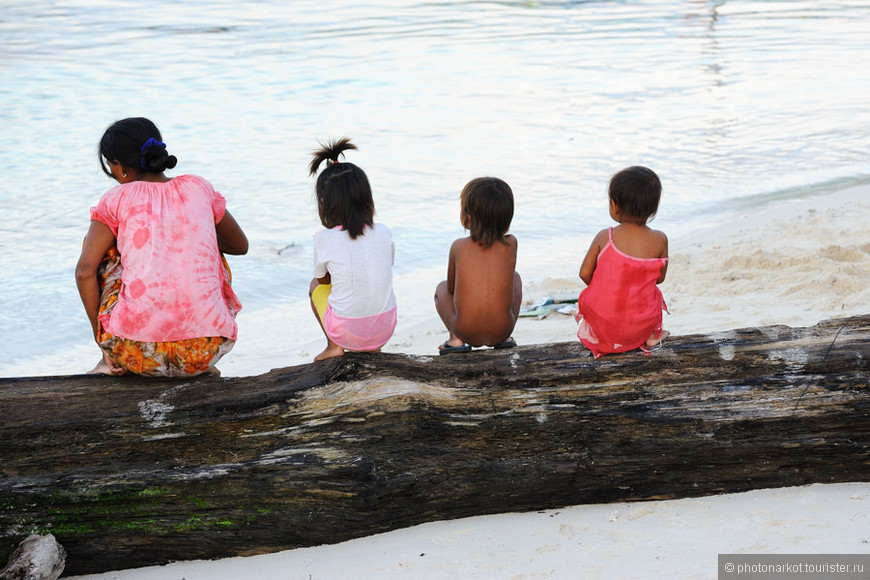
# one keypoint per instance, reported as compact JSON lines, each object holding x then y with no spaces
{"x":152,"y":276}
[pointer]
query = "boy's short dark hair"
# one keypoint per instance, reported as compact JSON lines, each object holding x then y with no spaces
{"x":636,"y":191}
{"x":489,"y":203}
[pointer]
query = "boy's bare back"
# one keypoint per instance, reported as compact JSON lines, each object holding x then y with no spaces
{"x":486,"y":290}
{"x":479,"y":302}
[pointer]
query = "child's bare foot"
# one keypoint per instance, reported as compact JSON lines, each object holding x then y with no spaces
{"x":101,"y":369}
{"x":331,"y":351}
{"x":452,"y":345}
{"x":451,"y":342}
{"x":105,"y":367}
{"x":653,"y":341}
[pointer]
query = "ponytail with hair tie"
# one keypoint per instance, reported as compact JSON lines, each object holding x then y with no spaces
{"x":344,"y":195}
{"x":135,"y":142}
{"x":151,"y":142}
{"x":329,"y":153}
{"x":154,"y":158}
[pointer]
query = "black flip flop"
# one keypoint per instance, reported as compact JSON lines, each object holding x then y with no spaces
{"x":447,"y":349}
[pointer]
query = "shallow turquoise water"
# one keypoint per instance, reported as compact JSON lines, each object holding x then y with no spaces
{"x":732,"y":103}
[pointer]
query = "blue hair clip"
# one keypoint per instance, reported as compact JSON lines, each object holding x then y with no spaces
{"x":149,"y":143}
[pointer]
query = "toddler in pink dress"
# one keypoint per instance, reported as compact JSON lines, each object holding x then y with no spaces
{"x":621,"y":308}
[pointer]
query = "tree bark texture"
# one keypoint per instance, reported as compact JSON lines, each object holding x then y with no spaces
{"x":128,"y":472}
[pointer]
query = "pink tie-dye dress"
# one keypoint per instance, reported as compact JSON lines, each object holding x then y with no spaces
{"x":174,"y":285}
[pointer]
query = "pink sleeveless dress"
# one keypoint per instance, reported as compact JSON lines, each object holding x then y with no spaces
{"x":623,"y":305}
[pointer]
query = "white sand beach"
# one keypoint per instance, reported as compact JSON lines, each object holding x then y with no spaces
{"x":792,"y":263}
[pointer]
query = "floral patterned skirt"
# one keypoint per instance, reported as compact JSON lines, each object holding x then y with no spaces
{"x":180,"y":358}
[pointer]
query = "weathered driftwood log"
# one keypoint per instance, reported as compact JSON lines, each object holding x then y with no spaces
{"x":128,"y":472}
{"x":35,"y":558}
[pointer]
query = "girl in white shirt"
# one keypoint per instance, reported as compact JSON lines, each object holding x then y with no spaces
{"x":352,"y":290}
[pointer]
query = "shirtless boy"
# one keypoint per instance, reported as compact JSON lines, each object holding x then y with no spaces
{"x":480,"y":301}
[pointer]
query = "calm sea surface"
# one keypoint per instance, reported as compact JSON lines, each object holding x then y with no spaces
{"x":732,"y":103}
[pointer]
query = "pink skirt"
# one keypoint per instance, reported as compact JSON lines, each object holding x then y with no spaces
{"x":359,"y":334}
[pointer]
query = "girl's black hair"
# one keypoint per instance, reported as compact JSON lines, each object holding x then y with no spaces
{"x":124,"y":141}
{"x":636,"y":191}
{"x":344,"y":196}
{"x":489,"y":203}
